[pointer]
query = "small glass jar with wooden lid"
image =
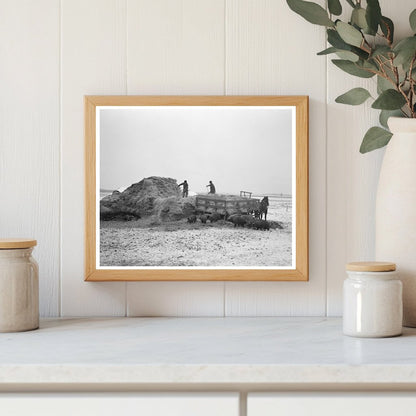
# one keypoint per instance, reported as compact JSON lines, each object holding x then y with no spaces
{"x":19,"y":286}
{"x":372,"y":300}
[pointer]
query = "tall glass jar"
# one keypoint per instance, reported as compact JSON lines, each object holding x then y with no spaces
{"x":19,"y":286}
{"x":372,"y":300}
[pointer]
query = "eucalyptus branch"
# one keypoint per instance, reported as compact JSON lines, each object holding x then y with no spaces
{"x":368,"y":49}
{"x":412,"y":85}
{"x":395,"y":71}
{"x":406,"y":97}
{"x":369,"y":46}
{"x":380,"y":64}
{"x":384,"y":73}
{"x":387,"y":38}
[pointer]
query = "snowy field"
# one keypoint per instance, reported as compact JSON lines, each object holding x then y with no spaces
{"x":180,"y":244}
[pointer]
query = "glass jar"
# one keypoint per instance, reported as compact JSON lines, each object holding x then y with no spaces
{"x":19,"y":286}
{"x":372,"y":300}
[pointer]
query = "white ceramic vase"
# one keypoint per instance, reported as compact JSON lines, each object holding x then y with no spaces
{"x":396,"y":210}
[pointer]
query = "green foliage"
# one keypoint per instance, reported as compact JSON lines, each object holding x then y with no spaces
{"x":386,"y":114}
{"x":352,"y":68}
{"x":387,"y":27}
{"x":375,"y":138}
{"x":336,"y":41}
{"x":366,"y":47}
{"x":311,"y":12}
{"x":358,"y":19}
{"x":405,"y":51}
{"x":383,"y":84}
{"x":327,"y":51}
{"x":349,"y":34}
{"x":381,"y":51}
{"x":343,"y":54}
{"x":347,"y":56}
{"x":412,"y":20}
{"x":373,"y":15}
{"x":355,"y":96}
{"x":389,"y":100}
{"x":334,"y":7}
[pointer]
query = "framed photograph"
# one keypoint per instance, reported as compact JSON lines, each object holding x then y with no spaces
{"x":196,"y":188}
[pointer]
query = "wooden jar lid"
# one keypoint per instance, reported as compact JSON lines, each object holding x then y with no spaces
{"x":11,"y":243}
{"x":371,"y":266}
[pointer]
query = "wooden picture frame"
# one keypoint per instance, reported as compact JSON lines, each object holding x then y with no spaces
{"x":94,"y":271}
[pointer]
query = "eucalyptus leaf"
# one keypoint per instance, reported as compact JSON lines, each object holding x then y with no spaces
{"x":349,"y":34}
{"x":336,"y":41}
{"x":373,"y":65}
{"x":350,"y":56}
{"x":347,"y":55}
{"x":375,"y":138}
{"x":360,"y":52}
{"x":386,"y":114}
{"x":327,"y":51}
{"x":356,"y":96}
{"x":412,"y":20}
{"x":405,"y":50}
{"x":387,"y":27}
{"x":392,"y":76}
{"x":389,"y":100}
{"x":334,"y":7}
{"x":381,"y":50}
{"x":373,"y":15}
{"x":311,"y":12}
{"x":352,"y":68}
{"x":383,"y":84}
{"x":358,"y":18}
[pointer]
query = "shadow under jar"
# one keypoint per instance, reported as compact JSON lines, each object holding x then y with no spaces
{"x":19,"y":286}
{"x":373,"y":305}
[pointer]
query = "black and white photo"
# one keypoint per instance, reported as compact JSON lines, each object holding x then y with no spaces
{"x":196,"y":186}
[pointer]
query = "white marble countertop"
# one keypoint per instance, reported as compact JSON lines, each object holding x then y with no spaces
{"x":204,"y":351}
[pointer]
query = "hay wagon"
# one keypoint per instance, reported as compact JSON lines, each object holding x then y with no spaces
{"x":222,"y":204}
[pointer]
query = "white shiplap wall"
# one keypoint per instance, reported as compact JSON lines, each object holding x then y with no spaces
{"x":53,"y":52}
{"x":30,"y":134}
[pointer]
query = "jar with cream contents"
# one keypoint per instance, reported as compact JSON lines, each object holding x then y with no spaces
{"x":372,"y":300}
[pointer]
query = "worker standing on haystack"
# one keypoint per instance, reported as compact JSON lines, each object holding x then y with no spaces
{"x":184,"y":185}
{"x":211,"y":188}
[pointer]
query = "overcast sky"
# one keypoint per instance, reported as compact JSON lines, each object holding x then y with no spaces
{"x":238,"y":148}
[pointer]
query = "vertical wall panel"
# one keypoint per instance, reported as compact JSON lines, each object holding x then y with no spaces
{"x":93,"y":62}
{"x":175,"y":47}
{"x":175,"y":299}
{"x":352,"y":177}
{"x":272,"y":51}
{"x":29,"y":134}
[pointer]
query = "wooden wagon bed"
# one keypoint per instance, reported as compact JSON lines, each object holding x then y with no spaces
{"x":221,"y":204}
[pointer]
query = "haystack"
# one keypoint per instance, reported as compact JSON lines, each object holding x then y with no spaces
{"x":156,"y":196}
